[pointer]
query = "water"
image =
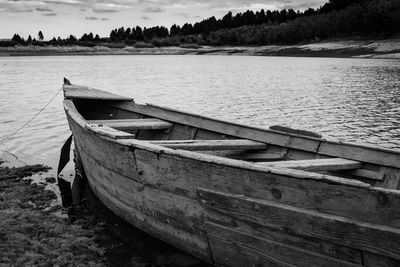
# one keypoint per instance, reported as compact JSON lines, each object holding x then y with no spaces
{"x":354,"y":100}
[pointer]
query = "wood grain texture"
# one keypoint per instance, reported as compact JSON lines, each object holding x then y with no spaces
{"x":242,"y":131}
{"x":113,"y":156}
{"x":133,"y":124}
{"x":261,"y":249}
{"x":169,"y":217}
{"x":331,"y":164}
{"x":374,"y":260}
{"x":201,"y":145}
{"x":84,"y":92}
{"x":110,"y":132}
{"x":374,"y":155}
{"x":155,"y":187}
{"x":183,"y":175}
{"x":390,"y":178}
{"x":369,"y":237}
{"x":314,"y":245}
{"x":369,"y":154}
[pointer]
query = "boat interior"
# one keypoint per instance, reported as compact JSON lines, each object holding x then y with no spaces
{"x":122,"y":118}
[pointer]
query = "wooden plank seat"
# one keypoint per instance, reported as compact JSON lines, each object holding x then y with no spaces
{"x":134,"y":124}
{"x":108,"y":131}
{"x":331,"y":164}
{"x":204,"y":145}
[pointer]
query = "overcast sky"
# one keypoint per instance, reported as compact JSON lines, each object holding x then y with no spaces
{"x":64,"y":17}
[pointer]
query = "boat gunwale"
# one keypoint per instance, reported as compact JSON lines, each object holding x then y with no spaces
{"x":73,"y":113}
{"x":267,"y":130}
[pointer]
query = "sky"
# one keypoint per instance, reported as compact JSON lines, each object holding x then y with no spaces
{"x":64,"y":17}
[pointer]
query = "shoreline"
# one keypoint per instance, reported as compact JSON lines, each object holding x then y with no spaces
{"x":388,"y":49}
{"x":35,"y":229}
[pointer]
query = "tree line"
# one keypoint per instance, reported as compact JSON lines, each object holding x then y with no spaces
{"x":336,"y":18}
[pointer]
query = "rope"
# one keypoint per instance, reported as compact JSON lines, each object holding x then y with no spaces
{"x":31,"y":119}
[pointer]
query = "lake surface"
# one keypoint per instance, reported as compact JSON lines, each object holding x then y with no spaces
{"x":356,"y":100}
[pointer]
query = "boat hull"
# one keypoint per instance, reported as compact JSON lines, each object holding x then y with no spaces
{"x":234,"y":213}
{"x":114,"y":177}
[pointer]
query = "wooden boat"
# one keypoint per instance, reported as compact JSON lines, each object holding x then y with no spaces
{"x":237,"y":195}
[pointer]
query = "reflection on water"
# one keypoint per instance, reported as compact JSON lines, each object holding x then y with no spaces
{"x":346,"y":99}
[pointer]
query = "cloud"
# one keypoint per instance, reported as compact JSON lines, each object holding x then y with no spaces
{"x":50,"y":14}
{"x":44,"y":9}
{"x":182,"y":8}
{"x":91,"y":18}
{"x":145,"y":18}
{"x":95,"y":18}
{"x":104,"y":10}
{"x":182,"y":14}
{"x":65,"y":2}
{"x":153,"y":10}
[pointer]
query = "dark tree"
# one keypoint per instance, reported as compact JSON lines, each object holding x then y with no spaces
{"x":72,"y":39}
{"x":40,"y":36}
{"x":175,"y":30}
{"x":18,"y":39}
{"x":138,"y":33}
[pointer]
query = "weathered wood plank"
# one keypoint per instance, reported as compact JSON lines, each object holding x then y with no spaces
{"x":180,"y":212}
{"x":373,"y":260}
{"x":314,"y":245}
{"x":285,"y":129}
{"x":134,"y":124}
{"x":262,"y":248}
{"x":373,"y":175}
{"x":183,"y":174}
{"x":84,"y":92}
{"x":256,"y":156}
{"x":114,"y":156}
{"x":181,"y":132}
{"x":390,"y":178}
{"x":332,"y":164}
{"x":373,"y":155}
{"x":108,"y":131}
{"x":226,"y":253}
{"x":233,"y":129}
{"x":168,"y":217}
{"x":365,"y":236}
{"x":200,"y":145}
{"x":203,"y":134}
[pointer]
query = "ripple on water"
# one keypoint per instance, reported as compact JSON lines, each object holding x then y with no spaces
{"x":355,"y":100}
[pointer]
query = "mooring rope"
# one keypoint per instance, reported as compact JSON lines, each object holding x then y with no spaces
{"x":31,"y":119}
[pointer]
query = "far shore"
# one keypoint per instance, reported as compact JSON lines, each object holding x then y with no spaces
{"x":389,"y":48}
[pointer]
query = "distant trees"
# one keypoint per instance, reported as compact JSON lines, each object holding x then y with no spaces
{"x":17,"y":39}
{"x":336,"y":18}
{"x":40,"y":36}
{"x":138,"y":34}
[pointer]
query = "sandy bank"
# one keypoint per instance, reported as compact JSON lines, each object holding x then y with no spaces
{"x":363,"y":49}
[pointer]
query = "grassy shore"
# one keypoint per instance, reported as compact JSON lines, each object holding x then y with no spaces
{"x":364,"y":49}
{"x":36,"y":231}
